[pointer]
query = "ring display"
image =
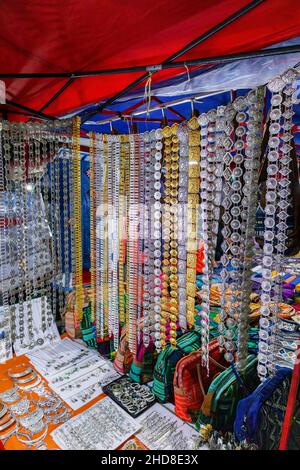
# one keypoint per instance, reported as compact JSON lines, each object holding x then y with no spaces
{"x":131,"y":396}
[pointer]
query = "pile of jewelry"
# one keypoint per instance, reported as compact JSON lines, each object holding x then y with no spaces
{"x":22,"y":417}
{"x":24,"y":377}
{"x":103,"y":426}
{"x":160,"y":429}
{"x":208,"y":439}
{"x":131,"y":396}
{"x":74,"y":373}
{"x":28,"y":406}
{"x":8,"y":423}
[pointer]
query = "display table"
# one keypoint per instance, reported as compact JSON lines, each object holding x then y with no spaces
{"x":14,"y":444}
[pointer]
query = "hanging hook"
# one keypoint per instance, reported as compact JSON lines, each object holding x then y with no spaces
{"x":111,"y":127}
{"x":192,"y":108}
{"x":128,"y":125}
{"x":188,"y":75}
{"x":164,"y":117}
{"x":131,"y":124}
{"x":147,"y":93}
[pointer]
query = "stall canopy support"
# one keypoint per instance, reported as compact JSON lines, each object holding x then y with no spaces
{"x":179,"y":53}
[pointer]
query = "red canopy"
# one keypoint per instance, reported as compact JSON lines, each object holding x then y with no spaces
{"x":74,"y":35}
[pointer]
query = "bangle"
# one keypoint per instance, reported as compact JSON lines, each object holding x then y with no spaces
{"x":3,"y":410}
{"x":8,"y":424}
{"x":6,"y":418}
{"x":31,"y":377}
{"x":9,"y":433}
{"x":10,"y":396}
{"x":32,"y":418}
{"x":31,"y":441}
{"x":35,"y":384}
{"x":15,"y":375}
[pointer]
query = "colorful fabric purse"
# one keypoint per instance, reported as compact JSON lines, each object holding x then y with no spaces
{"x":259,"y":416}
{"x":124,"y":357}
{"x":166,"y":363}
{"x":142,"y":367}
{"x":191,"y":381}
{"x":83,"y":328}
{"x":220,"y":403}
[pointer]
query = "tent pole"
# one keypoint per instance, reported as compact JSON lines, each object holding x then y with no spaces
{"x":164,"y":65}
{"x":57,"y":94}
{"x":177,"y":54}
{"x":31,"y":111}
{"x":290,"y":407}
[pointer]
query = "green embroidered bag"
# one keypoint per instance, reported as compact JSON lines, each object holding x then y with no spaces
{"x":220,"y":403}
{"x":166,"y":364}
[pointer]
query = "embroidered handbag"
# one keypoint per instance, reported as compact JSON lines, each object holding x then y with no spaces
{"x":259,"y":416}
{"x":141,"y":370}
{"x":166,"y":363}
{"x":124,"y":358}
{"x":220,"y":402}
{"x":191,"y":381}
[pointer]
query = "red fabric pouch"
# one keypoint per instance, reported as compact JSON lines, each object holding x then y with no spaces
{"x":191,"y":381}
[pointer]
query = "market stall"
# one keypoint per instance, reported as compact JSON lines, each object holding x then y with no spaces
{"x":150,"y":269}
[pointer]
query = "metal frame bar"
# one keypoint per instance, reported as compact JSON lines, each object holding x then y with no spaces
{"x":125,"y":115}
{"x":57,"y":94}
{"x":172,"y":110}
{"x":32,"y":112}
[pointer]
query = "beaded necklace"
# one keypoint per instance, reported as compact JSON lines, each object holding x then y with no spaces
{"x":146,"y":299}
{"x":255,"y":102}
{"x":56,"y":225}
{"x":192,"y":209}
{"x":276,"y":210}
{"x":110,"y":227}
{"x":19,"y":175}
{"x":207,"y":186}
{"x":40,"y":260}
{"x":92,"y":224}
{"x":99,"y":214}
{"x":66,"y":205}
{"x":166,"y":232}
{"x":11,"y":245}
{"x":115,"y":239}
{"x":77,"y":218}
{"x":141,"y":215}
{"x":173,"y":302}
{"x":155,"y":198}
{"x":6,"y":350}
{"x":132,"y":254}
{"x":122,"y":225}
{"x":184,"y":172}
{"x":105,"y":238}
